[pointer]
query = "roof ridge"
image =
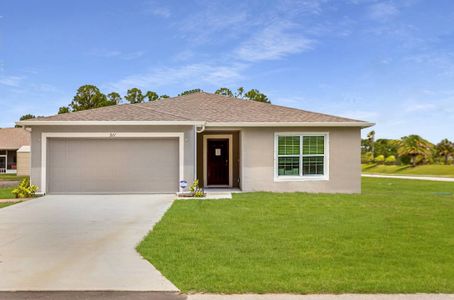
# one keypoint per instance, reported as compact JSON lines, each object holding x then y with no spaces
{"x":144,"y":105}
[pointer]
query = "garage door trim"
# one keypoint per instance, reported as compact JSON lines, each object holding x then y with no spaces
{"x":107,"y":135}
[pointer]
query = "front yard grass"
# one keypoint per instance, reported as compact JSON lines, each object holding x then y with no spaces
{"x":5,"y":193}
{"x":423,"y":170}
{"x":396,"y":237}
{"x":11,"y":177}
{"x":5,"y":204}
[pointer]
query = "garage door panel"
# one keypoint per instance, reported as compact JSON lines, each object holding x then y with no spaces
{"x":112,"y":165}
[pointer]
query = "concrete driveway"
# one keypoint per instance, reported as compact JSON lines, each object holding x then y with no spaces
{"x":80,"y":242}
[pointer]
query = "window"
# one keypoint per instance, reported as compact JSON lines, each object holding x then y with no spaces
{"x":301,"y":155}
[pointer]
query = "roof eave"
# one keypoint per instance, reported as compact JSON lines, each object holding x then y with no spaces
{"x":108,"y":123}
{"x":290,"y":124}
{"x":195,"y":123}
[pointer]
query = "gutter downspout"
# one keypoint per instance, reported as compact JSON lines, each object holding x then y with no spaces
{"x":196,"y":131}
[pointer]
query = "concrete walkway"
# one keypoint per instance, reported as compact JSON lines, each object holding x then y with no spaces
{"x":324,"y":297}
{"x":74,"y":243}
{"x":445,"y":179}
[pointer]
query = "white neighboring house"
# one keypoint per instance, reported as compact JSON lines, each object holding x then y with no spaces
{"x":15,"y":151}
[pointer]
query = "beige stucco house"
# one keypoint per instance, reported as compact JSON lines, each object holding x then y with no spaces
{"x":222,"y":141}
{"x":15,"y":151}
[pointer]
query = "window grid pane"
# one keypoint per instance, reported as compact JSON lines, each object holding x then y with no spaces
{"x":289,"y":166}
{"x":289,"y":145}
{"x":313,"y":145}
{"x":313,"y":165}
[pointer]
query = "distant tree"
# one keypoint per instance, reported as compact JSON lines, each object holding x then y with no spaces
{"x":224,"y":92}
{"x":190,"y":92}
{"x":371,"y":141}
{"x":134,"y":95}
{"x":417,"y":148}
{"x":164,"y":96}
{"x":87,"y":97}
{"x":152,"y":96}
{"x":445,"y":149}
{"x":63,"y":110}
{"x":386,"y":147}
{"x":27,"y":117}
{"x":114,"y":98}
{"x":256,"y":95}
{"x":239,"y":92}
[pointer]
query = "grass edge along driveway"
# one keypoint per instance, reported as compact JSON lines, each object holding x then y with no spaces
{"x":396,"y":237}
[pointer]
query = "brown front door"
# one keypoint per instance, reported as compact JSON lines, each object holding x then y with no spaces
{"x":217,"y":162}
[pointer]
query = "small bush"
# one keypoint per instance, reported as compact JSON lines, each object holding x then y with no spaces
{"x":379,"y":159}
{"x":390,"y":160}
{"x":24,"y":189}
{"x":367,"y":158}
{"x":196,"y":190}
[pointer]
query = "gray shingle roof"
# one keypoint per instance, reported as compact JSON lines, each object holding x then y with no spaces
{"x":198,"y":107}
{"x":13,"y":138}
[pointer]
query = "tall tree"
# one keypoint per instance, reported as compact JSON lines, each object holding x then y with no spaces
{"x":134,"y":95}
{"x":152,"y":96}
{"x":87,"y":97}
{"x":371,"y":141}
{"x":25,"y":117}
{"x":190,"y":92}
{"x":239,"y":92}
{"x":114,"y":97}
{"x":415,"y":147}
{"x":224,"y":92}
{"x":63,"y":110}
{"x":445,"y":149}
{"x":256,"y":95}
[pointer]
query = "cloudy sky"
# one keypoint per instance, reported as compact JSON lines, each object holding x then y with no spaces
{"x":389,"y":62}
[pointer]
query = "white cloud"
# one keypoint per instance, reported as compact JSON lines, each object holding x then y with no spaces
{"x":273,"y":42}
{"x":382,"y":11}
{"x":116,"y":54}
{"x":187,"y":75}
{"x":13,"y":81}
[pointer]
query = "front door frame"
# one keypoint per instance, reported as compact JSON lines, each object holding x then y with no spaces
{"x":206,"y":137}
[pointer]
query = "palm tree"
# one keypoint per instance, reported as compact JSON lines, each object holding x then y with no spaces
{"x":371,"y":142}
{"x":414,"y":146}
{"x":445,"y":148}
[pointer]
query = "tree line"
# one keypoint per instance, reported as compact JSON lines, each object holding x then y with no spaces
{"x":90,"y":96}
{"x":411,"y":149}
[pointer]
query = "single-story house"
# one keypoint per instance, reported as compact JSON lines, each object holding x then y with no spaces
{"x":15,"y":151}
{"x":222,"y":141}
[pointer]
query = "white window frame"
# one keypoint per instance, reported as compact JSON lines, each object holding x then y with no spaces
{"x":301,"y":177}
{"x":107,"y":135}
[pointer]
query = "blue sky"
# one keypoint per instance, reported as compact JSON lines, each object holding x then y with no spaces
{"x":389,"y":62}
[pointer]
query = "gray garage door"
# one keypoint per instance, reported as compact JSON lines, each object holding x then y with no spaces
{"x":87,"y":166}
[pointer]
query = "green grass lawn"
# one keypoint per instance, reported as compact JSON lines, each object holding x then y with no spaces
{"x":429,"y":170}
{"x":5,"y":204}
{"x":396,"y":237}
{"x":5,"y":193}
{"x":11,"y":177}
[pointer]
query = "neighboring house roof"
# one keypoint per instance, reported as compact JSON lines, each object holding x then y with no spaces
{"x":200,"y":108}
{"x":13,"y":138}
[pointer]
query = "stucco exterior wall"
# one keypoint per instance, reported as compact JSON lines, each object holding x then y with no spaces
{"x":257,"y":159}
{"x":23,"y":164}
{"x":189,"y":140}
